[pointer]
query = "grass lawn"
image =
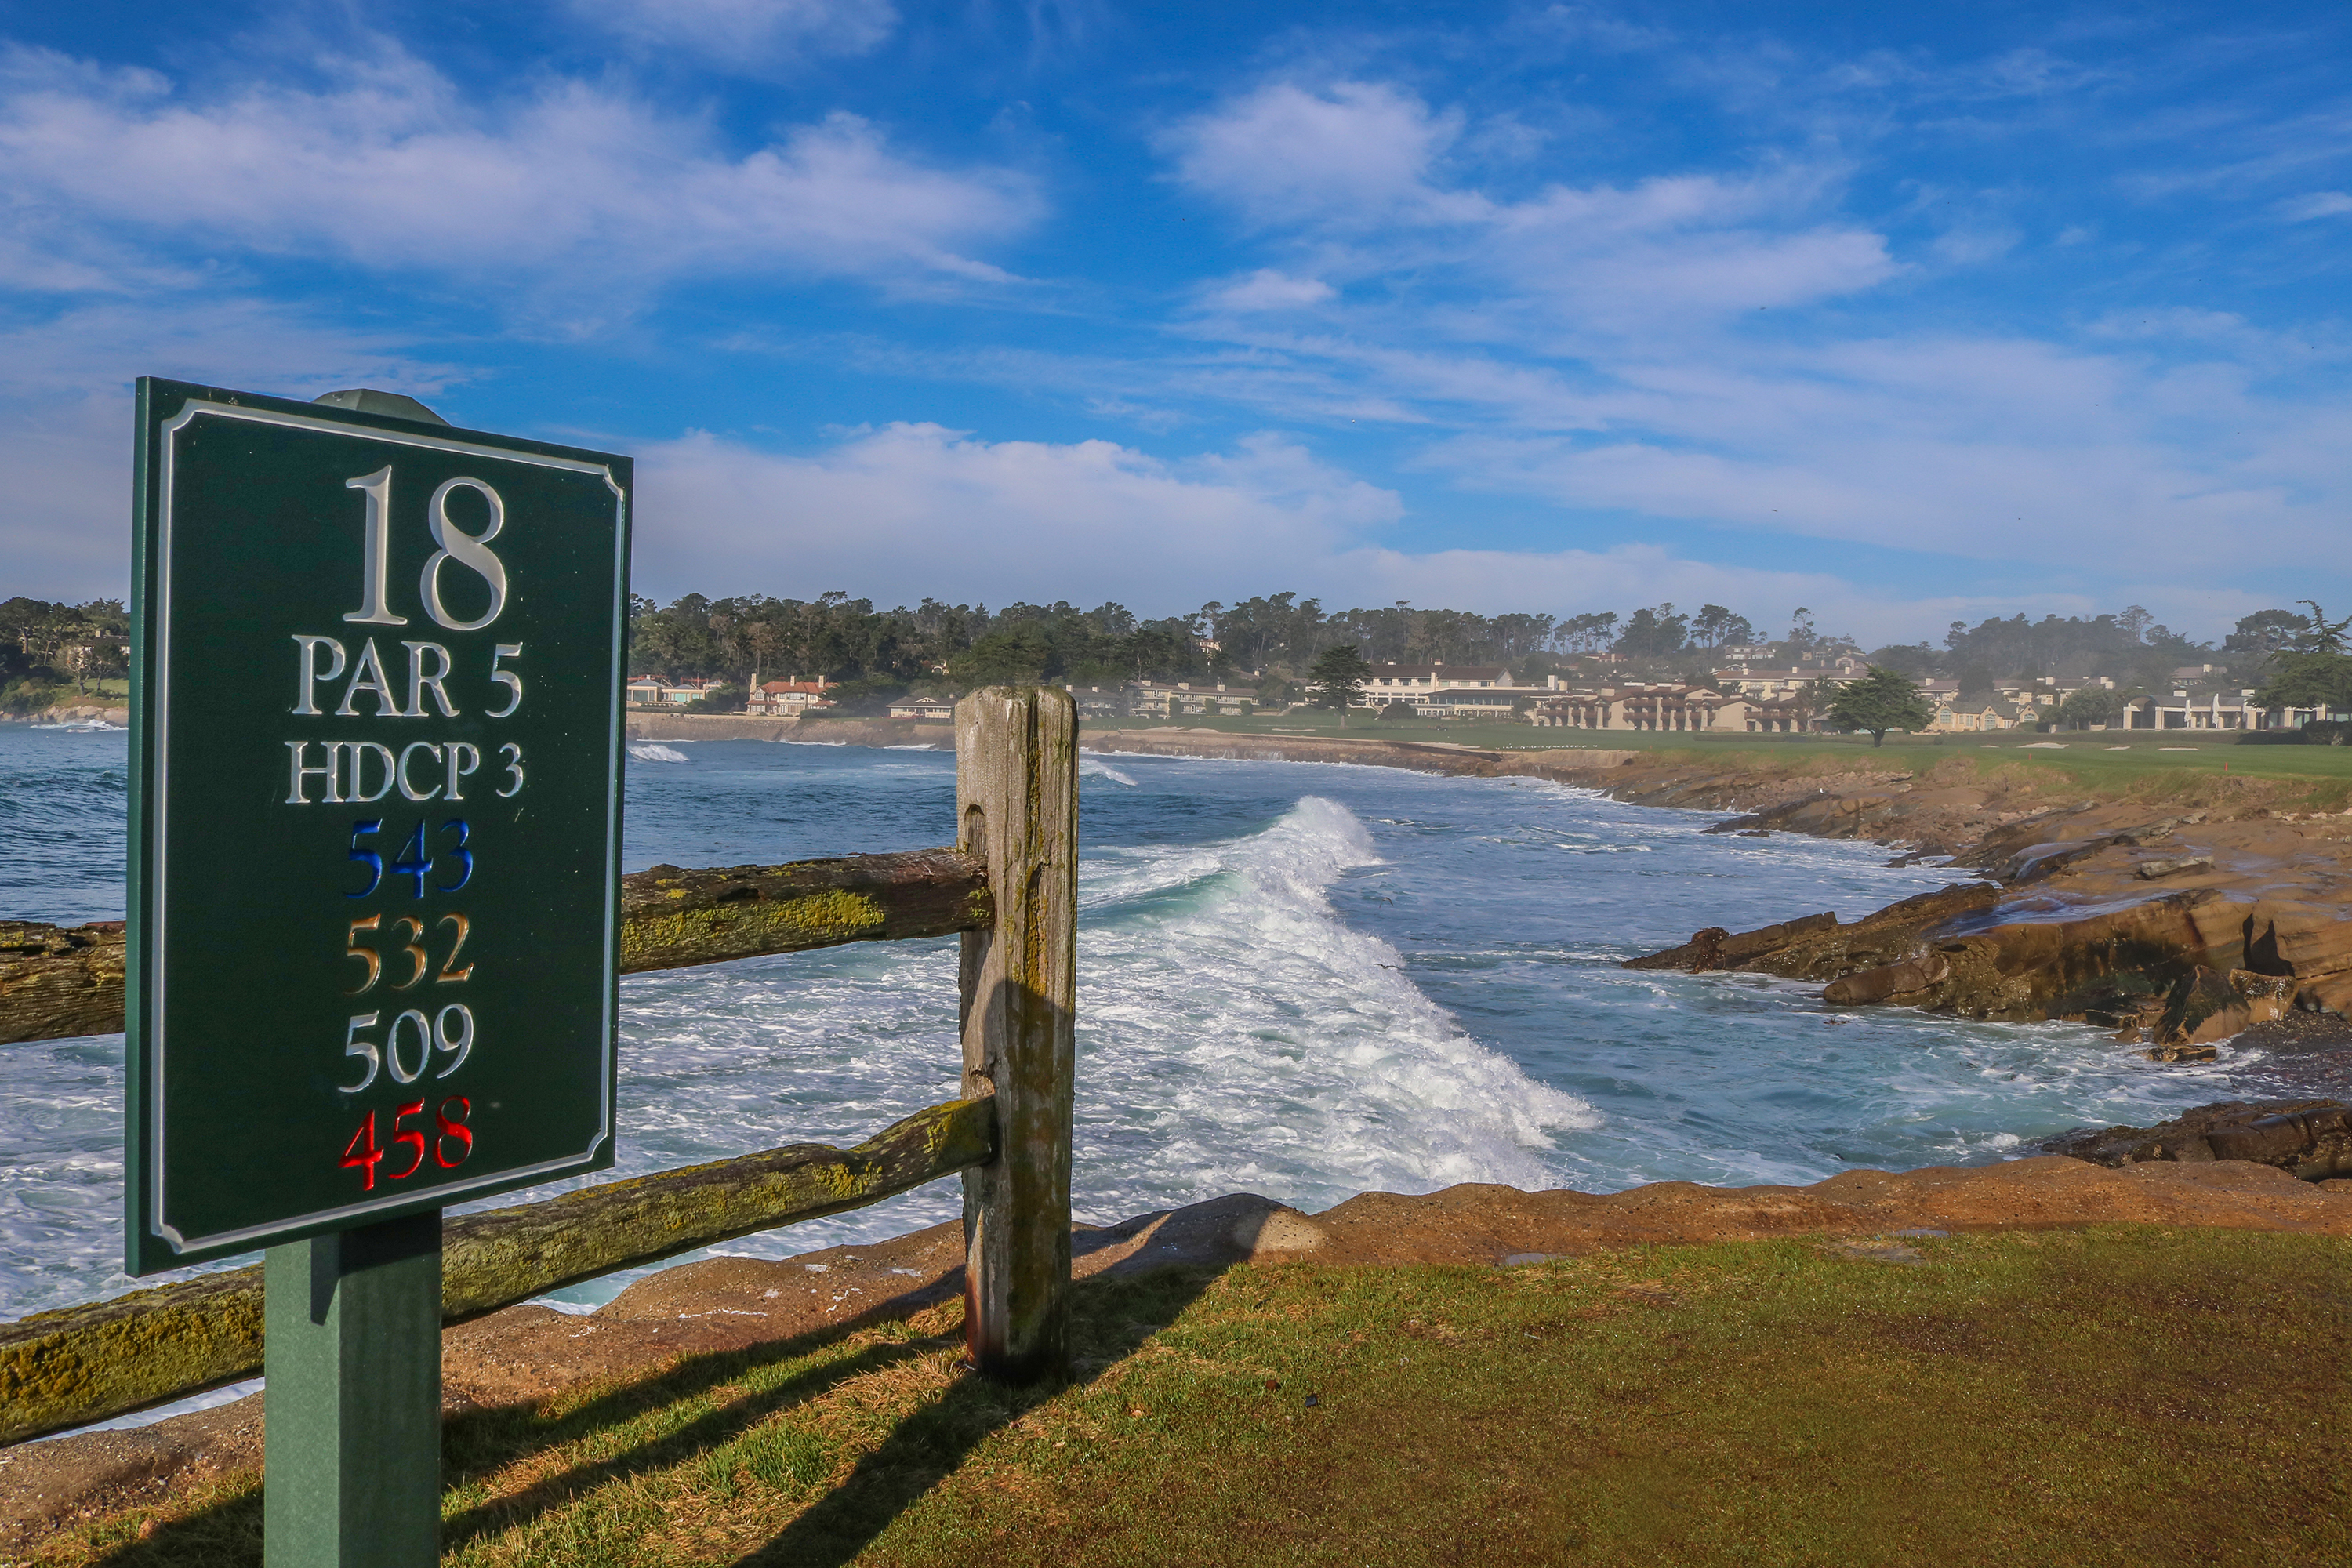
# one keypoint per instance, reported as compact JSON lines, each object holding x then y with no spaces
{"x":2103,"y":761}
{"x":2123,"y":1396}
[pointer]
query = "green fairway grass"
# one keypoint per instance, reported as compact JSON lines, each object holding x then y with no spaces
{"x":2122,"y":1395}
{"x":2110,"y":761}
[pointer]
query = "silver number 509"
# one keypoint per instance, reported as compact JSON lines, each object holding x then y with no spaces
{"x":451,"y":1032}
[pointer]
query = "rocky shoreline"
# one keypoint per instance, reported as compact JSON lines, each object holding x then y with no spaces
{"x":77,"y":713}
{"x":2178,"y":928}
{"x":2179,"y":919}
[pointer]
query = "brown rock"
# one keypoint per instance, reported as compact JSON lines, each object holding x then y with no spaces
{"x":2302,"y":939}
{"x":1889,"y":981}
{"x":2311,"y":1140}
{"x":2202,"y":1007}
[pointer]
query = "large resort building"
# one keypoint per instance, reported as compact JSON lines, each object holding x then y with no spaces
{"x":1748,"y":697}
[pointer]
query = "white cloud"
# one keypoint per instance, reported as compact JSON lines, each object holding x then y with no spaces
{"x":1631,"y":350}
{"x":65,"y":406}
{"x":745,"y":37}
{"x":2318,"y":204}
{"x":910,"y":511}
{"x":1356,"y":172}
{"x":913,"y":510}
{"x":1988,"y":450}
{"x":396,"y":169}
{"x":1267,"y":290}
{"x":1353,"y":154}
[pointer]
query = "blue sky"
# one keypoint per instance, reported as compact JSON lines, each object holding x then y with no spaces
{"x":1902,"y":313}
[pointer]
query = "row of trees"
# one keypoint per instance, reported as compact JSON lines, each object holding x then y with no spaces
{"x":879,"y":653}
{"x":2130,"y":646}
{"x":51,"y":651}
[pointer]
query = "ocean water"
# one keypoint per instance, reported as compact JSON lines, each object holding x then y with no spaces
{"x":1295,"y":979}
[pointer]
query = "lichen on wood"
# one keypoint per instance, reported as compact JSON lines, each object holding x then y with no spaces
{"x":671,"y":918}
{"x":84,"y":1363}
{"x":491,"y":1260}
{"x":56,"y":981}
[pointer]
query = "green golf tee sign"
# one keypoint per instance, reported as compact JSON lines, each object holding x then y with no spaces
{"x":374,"y":788}
{"x":375,"y":808}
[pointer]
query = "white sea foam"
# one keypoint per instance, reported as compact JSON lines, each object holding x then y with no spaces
{"x":1232,"y":1034}
{"x":1238,"y":1035}
{"x":1096,"y":768}
{"x":652,"y":751}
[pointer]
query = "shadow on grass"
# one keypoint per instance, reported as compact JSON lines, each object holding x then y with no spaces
{"x":719,"y":1427}
{"x":1110,"y":1319}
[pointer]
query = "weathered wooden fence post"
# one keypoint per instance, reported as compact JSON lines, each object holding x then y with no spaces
{"x":1017,"y":810}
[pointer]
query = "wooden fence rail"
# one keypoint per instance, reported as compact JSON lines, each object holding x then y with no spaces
{"x":59,"y":981}
{"x":1010,"y":886}
{"x":79,"y":1365}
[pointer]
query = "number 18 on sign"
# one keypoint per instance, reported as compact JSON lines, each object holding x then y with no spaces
{"x":376,"y":818}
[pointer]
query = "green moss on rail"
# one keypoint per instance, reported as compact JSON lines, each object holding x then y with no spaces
{"x":749,"y":927}
{"x":152,"y":1345}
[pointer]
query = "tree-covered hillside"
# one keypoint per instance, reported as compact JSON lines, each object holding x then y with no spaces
{"x":52,"y":653}
{"x":877,"y":653}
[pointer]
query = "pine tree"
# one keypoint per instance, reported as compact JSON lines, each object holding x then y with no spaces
{"x":1882,"y":700}
{"x":1339,"y":672}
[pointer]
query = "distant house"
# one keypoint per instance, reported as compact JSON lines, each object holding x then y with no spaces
{"x":652,"y":691}
{"x":787,"y":698}
{"x":1178,"y":698}
{"x":2204,"y":704}
{"x":1973,"y":717}
{"x":1654,"y":705}
{"x":1393,"y":680}
{"x":1442,"y":690}
{"x":1747,"y":679}
{"x":923,"y":707}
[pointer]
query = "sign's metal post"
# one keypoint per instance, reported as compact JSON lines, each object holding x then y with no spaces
{"x":351,"y":1446}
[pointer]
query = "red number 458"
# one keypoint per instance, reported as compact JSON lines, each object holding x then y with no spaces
{"x":363,"y":1154}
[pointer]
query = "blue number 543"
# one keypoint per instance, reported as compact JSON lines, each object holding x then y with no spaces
{"x":416,"y":861}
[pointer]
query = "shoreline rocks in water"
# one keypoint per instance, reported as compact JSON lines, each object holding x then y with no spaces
{"x":2169,"y":972}
{"x":2245,"y":927}
{"x":2310,"y":1140}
